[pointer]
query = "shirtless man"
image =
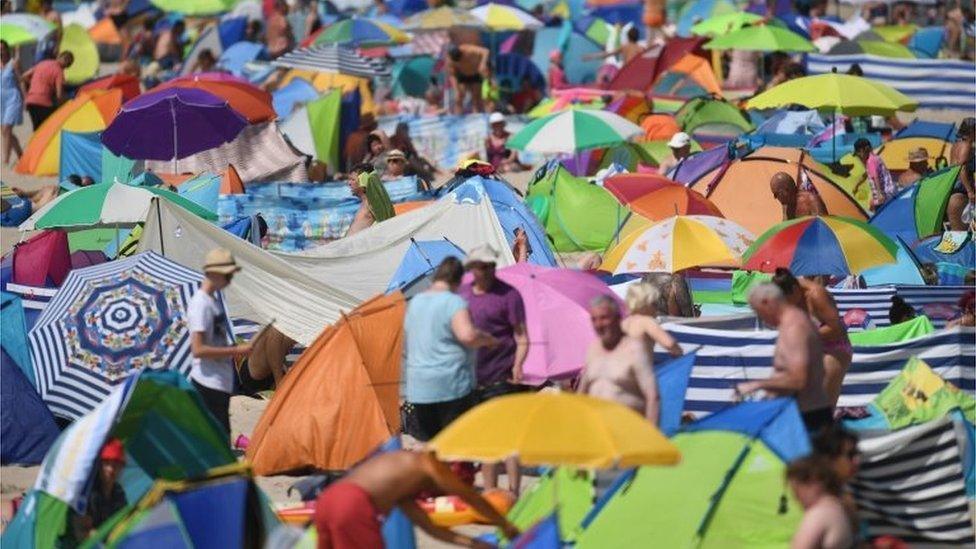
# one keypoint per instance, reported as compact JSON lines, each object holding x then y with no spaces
{"x":810,"y":296}
{"x":467,"y":68}
{"x":797,"y":359}
{"x":796,"y":203}
{"x":918,"y":167}
{"x":962,"y":154}
{"x":627,"y":51}
{"x":346,"y":512}
{"x":825,"y":523}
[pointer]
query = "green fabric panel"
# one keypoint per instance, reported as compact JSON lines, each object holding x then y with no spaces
{"x":711,"y":296}
{"x":918,"y":395}
{"x":743,"y":281}
{"x":931,"y":201}
{"x":699,"y":112}
{"x":81,"y":207}
{"x":570,"y":489}
{"x":583,"y":216}
{"x":377,"y":197}
{"x":667,"y":504}
{"x":323,"y":118}
{"x":51,"y":522}
{"x":910,"y":329}
{"x":20,"y":530}
{"x":184,"y":203}
{"x":116,"y":168}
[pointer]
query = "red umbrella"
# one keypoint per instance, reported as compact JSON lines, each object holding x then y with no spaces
{"x":251,"y":102}
{"x":656,"y":197}
{"x":127,"y":83}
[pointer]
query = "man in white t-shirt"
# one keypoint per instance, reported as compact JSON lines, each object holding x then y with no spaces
{"x":211,"y":344}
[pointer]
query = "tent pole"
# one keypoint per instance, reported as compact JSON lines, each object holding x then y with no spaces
{"x":159,"y":222}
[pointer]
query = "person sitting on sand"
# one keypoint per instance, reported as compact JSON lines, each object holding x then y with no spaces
{"x":347,"y":513}
{"x":796,"y":202}
{"x":825,"y":524}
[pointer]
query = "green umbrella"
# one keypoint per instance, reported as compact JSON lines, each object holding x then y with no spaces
{"x":574,"y":130}
{"x":761,"y":38}
{"x":872,"y":47}
{"x":833,"y":92}
{"x":23,"y":28}
{"x":14,"y":35}
{"x":724,"y":24}
{"x":194,"y":7}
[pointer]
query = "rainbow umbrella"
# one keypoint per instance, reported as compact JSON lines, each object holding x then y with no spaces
{"x":441,"y":18}
{"x":574,"y":130}
{"x":361,"y":32}
{"x":828,"y":245}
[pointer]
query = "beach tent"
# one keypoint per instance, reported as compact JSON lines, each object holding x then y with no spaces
{"x":712,"y":118}
{"x":26,"y":426}
{"x":740,"y":187}
{"x":577,"y":215}
{"x":75,"y":38}
{"x":917,"y":211}
{"x":511,"y":69}
{"x":419,"y":263}
{"x":209,"y":38}
{"x":286,"y":98}
{"x":936,"y":137}
{"x":340,"y":400}
{"x":41,"y":260}
{"x":126,"y":82}
{"x":728,"y":490}
{"x":641,"y":72}
{"x":82,"y":153}
{"x":691,"y":76}
{"x":574,"y":47}
{"x":86,"y":112}
{"x":927,"y":42}
{"x":234,"y":58}
{"x":167,"y":434}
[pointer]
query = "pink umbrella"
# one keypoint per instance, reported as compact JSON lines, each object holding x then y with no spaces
{"x":556,"y":316}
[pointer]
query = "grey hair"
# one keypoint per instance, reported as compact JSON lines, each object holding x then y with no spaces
{"x":642,"y":295}
{"x":767,"y":291}
{"x":605,"y":301}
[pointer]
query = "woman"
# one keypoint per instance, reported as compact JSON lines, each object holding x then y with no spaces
{"x":642,"y":300}
{"x":438,"y":370}
{"x":416,"y":164}
{"x":825,"y":524}
{"x":13,"y":102}
{"x":499,"y":155}
{"x":812,"y":297}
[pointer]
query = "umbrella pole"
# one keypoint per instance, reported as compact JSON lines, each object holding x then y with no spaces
{"x":118,"y":246}
{"x":833,"y":141}
{"x":176,"y":162}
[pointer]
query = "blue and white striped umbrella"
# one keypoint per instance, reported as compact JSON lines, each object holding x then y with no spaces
{"x":333,"y":59}
{"x":108,"y":321}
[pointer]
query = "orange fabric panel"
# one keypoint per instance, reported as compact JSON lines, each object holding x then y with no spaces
{"x":659,"y":127}
{"x":231,"y":182}
{"x":700,"y":71}
{"x":104,"y":32}
{"x":249,"y":101}
{"x":108,"y":103}
{"x":341,"y":399}
{"x":404,"y":207}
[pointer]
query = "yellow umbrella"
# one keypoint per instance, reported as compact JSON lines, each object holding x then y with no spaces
{"x":551,"y":428}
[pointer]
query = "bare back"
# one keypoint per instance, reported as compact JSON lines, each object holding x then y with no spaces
{"x":808,"y":203}
{"x":825,"y":525}
{"x":393,"y":477}
{"x":798,"y":346}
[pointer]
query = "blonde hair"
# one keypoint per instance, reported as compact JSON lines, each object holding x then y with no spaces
{"x":642,"y":295}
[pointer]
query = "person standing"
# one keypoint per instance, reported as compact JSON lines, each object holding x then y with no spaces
{"x":212,"y":372}
{"x":12,"y":111}
{"x":497,"y":309}
{"x":438,"y":371}
{"x":680,"y":145}
{"x":45,"y":89}
{"x":796,"y":202}
{"x":467,"y":68}
{"x":876,"y":174}
{"x":798,"y":369}
{"x":279,"y":35}
{"x":168,"y":52}
{"x":642,"y":299}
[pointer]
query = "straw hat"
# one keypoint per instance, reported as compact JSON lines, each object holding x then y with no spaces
{"x":220,"y":261}
{"x":394,"y":154}
{"x":920,"y":154}
{"x":482,"y":254}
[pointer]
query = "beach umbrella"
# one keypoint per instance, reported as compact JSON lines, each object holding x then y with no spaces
{"x":827,"y":245}
{"x":172,"y":123}
{"x":194,"y":7}
{"x":724,"y":24}
{"x":696,"y":11}
{"x":843,"y":93}
{"x":871,"y":47}
{"x":361,"y":32}
{"x":106,"y":204}
{"x":656,"y":197}
{"x":574,"y":130}
{"x":128,"y":84}
{"x":554,"y":428}
{"x":23,"y":28}
{"x":761,"y":38}
{"x":75,"y":38}
{"x":332,"y":58}
{"x":557,"y":317}
{"x":444,"y":17}
{"x":501,"y":17}
{"x":108,"y":321}
{"x":680,"y":243}
{"x":248,"y":100}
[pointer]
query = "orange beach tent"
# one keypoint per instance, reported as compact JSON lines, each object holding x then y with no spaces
{"x":341,"y":399}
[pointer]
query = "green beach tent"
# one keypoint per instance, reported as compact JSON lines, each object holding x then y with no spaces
{"x":712,"y":115}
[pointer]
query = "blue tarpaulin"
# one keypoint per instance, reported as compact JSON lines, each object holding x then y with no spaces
{"x":297,"y":91}
{"x":81,"y":154}
{"x":419,"y":263}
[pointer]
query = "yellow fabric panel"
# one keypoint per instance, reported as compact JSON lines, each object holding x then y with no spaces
{"x":85,"y":119}
{"x":76,"y":40}
{"x":895,"y":152}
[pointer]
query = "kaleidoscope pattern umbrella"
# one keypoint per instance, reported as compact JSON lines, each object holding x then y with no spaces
{"x":680,"y":243}
{"x":724,"y":24}
{"x":23,"y":28}
{"x":574,"y":130}
{"x":248,"y":100}
{"x":108,"y":321}
{"x":360,"y":32}
{"x":843,"y":93}
{"x":500,"y":17}
{"x":761,"y":38}
{"x":828,"y":245}
{"x":657,"y":197}
{"x":441,"y":18}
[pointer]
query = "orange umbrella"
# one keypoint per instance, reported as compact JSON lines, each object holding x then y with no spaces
{"x":251,"y":102}
{"x":127,"y":83}
{"x":656,"y":197}
{"x":659,"y":127}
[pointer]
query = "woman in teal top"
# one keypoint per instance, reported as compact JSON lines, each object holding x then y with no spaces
{"x":438,"y":369}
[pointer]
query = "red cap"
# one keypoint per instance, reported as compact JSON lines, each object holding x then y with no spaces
{"x":113,"y":451}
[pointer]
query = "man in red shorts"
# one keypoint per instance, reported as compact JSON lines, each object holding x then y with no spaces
{"x":348,"y":513}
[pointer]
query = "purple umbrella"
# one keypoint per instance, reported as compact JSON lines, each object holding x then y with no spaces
{"x":171,"y":124}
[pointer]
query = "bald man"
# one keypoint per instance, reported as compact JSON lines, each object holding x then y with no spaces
{"x":796,"y":202}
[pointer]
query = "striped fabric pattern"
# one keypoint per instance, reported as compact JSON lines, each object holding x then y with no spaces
{"x":911,"y":485}
{"x":245,"y":329}
{"x":334,"y":59}
{"x":877,"y":301}
{"x":726,"y":358}
{"x":934,"y":83}
{"x":107,"y":321}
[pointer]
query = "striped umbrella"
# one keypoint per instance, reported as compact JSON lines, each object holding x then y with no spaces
{"x":360,"y":32}
{"x":333,"y":59}
{"x":499,"y":17}
{"x":108,"y":321}
{"x":828,"y":245}
{"x":574,"y":130}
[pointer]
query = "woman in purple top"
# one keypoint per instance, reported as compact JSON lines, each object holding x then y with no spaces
{"x":497,"y":309}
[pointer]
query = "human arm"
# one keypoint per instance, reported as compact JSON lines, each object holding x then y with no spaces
{"x":644,"y":375}
{"x":59,"y":88}
{"x":448,"y":483}
{"x":831,"y":327}
{"x":660,"y":336}
{"x":466,"y":332}
{"x":789,"y":365}
{"x":201,"y":350}
{"x":420,"y":519}
{"x":521,"y":351}
{"x":809,"y":534}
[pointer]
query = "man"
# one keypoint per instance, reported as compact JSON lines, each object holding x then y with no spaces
{"x":278,"y":35}
{"x":374,"y":205}
{"x":496,"y":308}
{"x":169,"y":47}
{"x":962,"y":154}
{"x":467,"y":68}
{"x":796,"y":202}
{"x":918,"y":167}
{"x":356,"y":148}
{"x":627,"y":51}
{"x":212,"y":371}
{"x":618,"y":367}
{"x":49,"y":45}
{"x":797,"y":359}
{"x":876,"y":174}
{"x":347,"y":512}
{"x":396,"y":165}
{"x":45,"y":87}
{"x":680,"y":145}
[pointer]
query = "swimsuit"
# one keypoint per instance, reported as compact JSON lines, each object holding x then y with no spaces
{"x":347,"y":518}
